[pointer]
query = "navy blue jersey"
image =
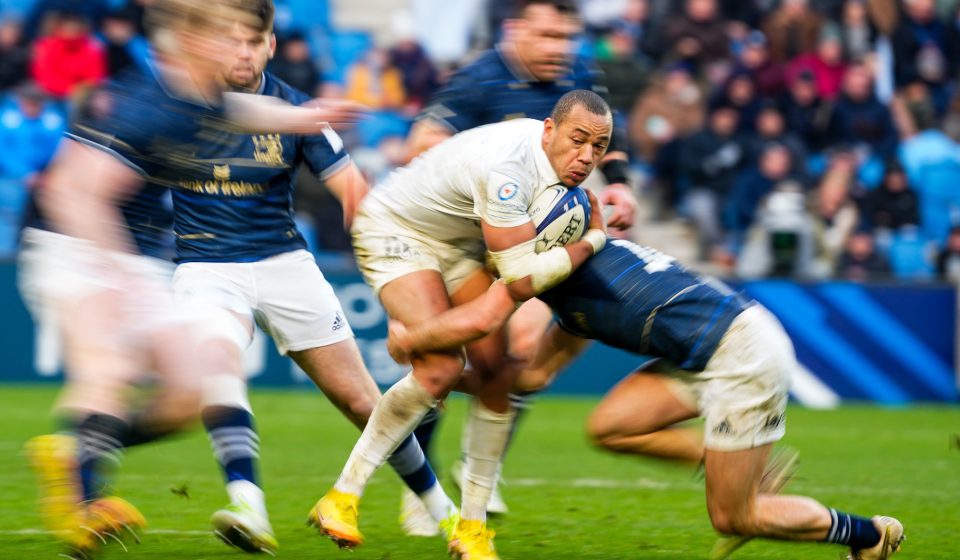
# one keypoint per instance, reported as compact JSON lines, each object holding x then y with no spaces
{"x":102,"y":120}
{"x":640,"y":300}
{"x":236,"y":205}
{"x":489,"y":91}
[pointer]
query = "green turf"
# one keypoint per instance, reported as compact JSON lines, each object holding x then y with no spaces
{"x":858,"y":459}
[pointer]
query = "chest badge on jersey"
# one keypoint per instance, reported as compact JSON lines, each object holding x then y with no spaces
{"x":221,"y":172}
{"x":267,"y":148}
{"x":507,"y":191}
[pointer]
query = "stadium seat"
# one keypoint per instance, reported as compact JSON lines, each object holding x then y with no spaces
{"x":939,"y":198}
{"x":909,"y":255}
{"x":13,"y":198}
{"x":337,"y":50}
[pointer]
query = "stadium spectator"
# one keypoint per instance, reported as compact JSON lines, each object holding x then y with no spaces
{"x":771,"y":128}
{"x":859,"y":119}
{"x":925,"y":49}
{"x":709,"y":162}
{"x":44,"y":13}
{"x":30,"y":131}
{"x":373,"y":82}
{"x":948,"y":261}
{"x":627,"y":73}
{"x":749,"y":188}
{"x":14,"y":54}
{"x":826,"y":65}
{"x":420,"y":78}
{"x":834,"y":214}
{"x":768,"y":74}
{"x":124,"y":46}
{"x":805,"y":113}
{"x":294,"y":65}
{"x":793,"y":29}
{"x":68,"y":57}
{"x":740,"y":92}
{"x":861,"y":261}
{"x":894,"y":203}
{"x":697,"y":34}
{"x":672,"y":108}
{"x":858,"y":34}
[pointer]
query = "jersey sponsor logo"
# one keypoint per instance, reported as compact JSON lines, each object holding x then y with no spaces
{"x":222,"y":187}
{"x":774,"y":421}
{"x":267,"y":148}
{"x":338,"y":322}
{"x":508,"y":191}
{"x":723,"y":428}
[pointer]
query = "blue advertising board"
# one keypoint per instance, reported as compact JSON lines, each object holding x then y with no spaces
{"x":882,"y":343}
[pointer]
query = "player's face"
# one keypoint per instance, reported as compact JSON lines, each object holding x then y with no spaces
{"x":576,"y":145}
{"x":544,"y":40}
{"x":249,"y":52}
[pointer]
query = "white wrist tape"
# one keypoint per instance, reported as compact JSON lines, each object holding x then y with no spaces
{"x":546,"y":269}
{"x":596,"y":238}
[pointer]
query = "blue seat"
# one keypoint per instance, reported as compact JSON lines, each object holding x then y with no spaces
{"x":338,"y":50}
{"x":13,"y":200}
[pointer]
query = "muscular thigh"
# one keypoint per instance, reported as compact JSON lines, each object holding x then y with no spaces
{"x":640,"y":404}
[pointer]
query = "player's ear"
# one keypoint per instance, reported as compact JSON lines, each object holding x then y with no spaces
{"x":549,"y":130}
{"x":273,"y":45}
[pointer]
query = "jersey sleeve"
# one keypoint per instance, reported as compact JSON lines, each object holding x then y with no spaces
{"x":458,"y":106}
{"x":325,"y":154}
{"x":114,"y":120}
{"x":503,"y":199}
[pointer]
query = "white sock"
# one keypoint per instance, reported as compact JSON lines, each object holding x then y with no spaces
{"x":488,"y":432}
{"x":438,"y":504}
{"x":394,"y":418}
{"x":244,"y":492}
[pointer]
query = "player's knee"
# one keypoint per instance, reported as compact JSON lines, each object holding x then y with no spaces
{"x":524,"y":344}
{"x":600,"y":432}
{"x":729,"y":523}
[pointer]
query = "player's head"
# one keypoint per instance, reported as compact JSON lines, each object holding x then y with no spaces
{"x":542,"y":33}
{"x":193,"y":32}
{"x":577,"y":134}
{"x":252,"y":44}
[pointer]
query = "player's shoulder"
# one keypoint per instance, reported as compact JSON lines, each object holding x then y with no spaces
{"x":488,"y":66}
{"x":275,"y":87}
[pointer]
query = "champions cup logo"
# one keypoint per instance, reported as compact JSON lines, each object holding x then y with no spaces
{"x":268,"y":149}
{"x":221,"y":172}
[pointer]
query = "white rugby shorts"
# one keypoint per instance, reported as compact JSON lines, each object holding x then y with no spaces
{"x":386,"y":250}
{"x":742,"y":393}
{"x":286,"y":295}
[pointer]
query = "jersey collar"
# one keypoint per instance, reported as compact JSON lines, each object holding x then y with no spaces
{"x":546,"y":176}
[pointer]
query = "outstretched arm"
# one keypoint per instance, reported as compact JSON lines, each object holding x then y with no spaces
{"x":454,"y":327}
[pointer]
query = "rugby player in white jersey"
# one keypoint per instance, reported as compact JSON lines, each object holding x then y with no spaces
{"x":421,"y":239}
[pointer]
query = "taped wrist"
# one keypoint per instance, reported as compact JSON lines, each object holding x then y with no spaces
{"x":546,"y":269}
{"x":596,"y":238}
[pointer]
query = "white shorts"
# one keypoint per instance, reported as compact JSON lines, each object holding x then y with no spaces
{"x":386,"y":250}
{"x":742,"y":393}
{"x":286,"y":295}
{"x":55,"y":271}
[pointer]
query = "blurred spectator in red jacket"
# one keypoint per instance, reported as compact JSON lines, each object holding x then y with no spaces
{"x":825,"y":64}
{"x":68,"y":57}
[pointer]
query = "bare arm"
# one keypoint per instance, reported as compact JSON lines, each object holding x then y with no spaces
{"x":425,"y":134}
{"x":82,"y":195}
{"x":263,"y":113}
{"x":349,"y":187}
{"x":557,"y":349}
{"x":455,"y":327}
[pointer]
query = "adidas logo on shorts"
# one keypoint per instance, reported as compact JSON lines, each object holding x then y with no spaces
{"x":338,"y":322}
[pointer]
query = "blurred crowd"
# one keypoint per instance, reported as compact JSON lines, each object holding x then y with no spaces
{"x":804,"y":138}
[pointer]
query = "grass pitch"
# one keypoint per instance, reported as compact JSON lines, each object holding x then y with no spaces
{"x":567,"y":500}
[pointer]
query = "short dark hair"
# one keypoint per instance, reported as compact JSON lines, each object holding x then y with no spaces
{"x":583,"y":97}
{"x":261,"y":12}
{"x":565,"y":7}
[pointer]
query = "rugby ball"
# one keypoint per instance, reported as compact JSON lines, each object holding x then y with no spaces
{"x":561,"y":215}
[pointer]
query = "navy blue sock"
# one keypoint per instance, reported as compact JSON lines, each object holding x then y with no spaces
{"x":412,"y":466}
{"x":235,"y":441}
{"x":425,"y":431}
{"x":851,"y":530}
{"x":99,"y":450}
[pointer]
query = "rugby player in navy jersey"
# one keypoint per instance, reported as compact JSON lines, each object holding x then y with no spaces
{"x":90,"y":264}
{"x":239,"y":249}
{"x":522,"y":77}
{"x":720,"y":356}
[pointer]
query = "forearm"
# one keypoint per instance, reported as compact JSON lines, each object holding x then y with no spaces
{"x":464,"y":324}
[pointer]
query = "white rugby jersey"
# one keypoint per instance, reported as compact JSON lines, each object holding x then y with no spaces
{"x":491,"y":173}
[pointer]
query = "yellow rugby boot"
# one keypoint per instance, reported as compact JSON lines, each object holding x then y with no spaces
{"x":336,"y":516}
{"x":472,"y":541}
{"x":53,"y":459}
